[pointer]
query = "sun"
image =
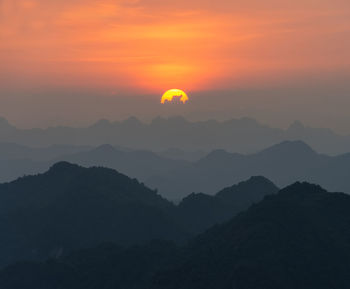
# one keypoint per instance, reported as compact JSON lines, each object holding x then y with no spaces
{"x":171,"y":93}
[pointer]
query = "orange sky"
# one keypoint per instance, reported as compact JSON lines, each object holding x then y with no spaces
{"x":55,"y":52}
{"x":154,"y":45}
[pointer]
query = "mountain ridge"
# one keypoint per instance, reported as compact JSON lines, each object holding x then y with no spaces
{"x":297,"y":238}
{"x":70,"y":207}
{"x":244,"y":135}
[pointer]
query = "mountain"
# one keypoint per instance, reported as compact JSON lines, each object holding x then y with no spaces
{"x":135,"y":163}
{"x":106,"y":266}
{"x":17,"y":161}
{"x":70,"y":207}
{"x":199,"y":212}
{"x":244,"y":135}
{"x":283,"y":163}
{"x":298,"y":238}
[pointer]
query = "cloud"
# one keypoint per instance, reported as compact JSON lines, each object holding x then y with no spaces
{"x":151,"y":45}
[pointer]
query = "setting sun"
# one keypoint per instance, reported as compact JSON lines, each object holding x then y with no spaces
{"x":171,"y":93}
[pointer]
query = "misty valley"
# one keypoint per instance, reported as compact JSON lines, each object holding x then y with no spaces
{"x":95,"y":215}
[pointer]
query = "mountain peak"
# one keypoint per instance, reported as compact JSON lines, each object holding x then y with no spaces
{"x":257,"y":186}
{"x":303,"y":188}
{"x":63,"y":167}
{"x":254,"y":181}
{"x":289,"y":147}
{"x":257,"y":180}
{"x":105,"y":148}
{"x":217,"y":154}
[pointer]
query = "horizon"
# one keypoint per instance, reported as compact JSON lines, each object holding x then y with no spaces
{"x":150,"y":121}
{"x":73,"y":62}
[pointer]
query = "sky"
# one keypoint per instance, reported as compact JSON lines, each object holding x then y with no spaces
{"x":72,"y":62}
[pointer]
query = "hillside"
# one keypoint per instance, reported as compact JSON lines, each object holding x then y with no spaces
{"x":298,"y":238}
{"x":199,"y":212}
{"x":71,"y":207}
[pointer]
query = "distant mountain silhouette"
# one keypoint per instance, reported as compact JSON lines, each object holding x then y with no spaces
{"x":198,"y":212}
{"x":243,"y":135}
{"x":136,"y":163}
{"x":71,"y":207}
{"x":178,"y":154}
{"x":283,"y":164}
{"x":298,"y":238}
{"x":17,"y":160}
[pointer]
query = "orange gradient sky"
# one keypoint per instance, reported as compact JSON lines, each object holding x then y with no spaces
{"x":155,"y":45}
{"x":148,"y":46}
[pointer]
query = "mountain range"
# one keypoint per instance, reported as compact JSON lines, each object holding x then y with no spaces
{"x":297,"y":238}
{"x":244,"y":135}
{"x":283,"y":163}
{"x":70,"y":207}
{"x":17,"y":160}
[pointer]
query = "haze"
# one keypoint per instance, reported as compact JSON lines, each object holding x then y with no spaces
{"x":73,"y":62}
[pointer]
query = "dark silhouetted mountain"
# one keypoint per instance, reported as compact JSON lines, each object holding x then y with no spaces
{"x":71,"y":207}
{"x":245,"y":193}
{"x":298,"y":238}
{"x":107,"y":266}
{"x":198,"y":212}
{"x":243,"y":135}
{"x":283,"y":164}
